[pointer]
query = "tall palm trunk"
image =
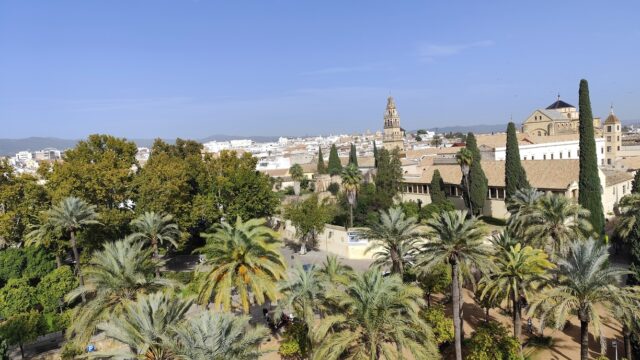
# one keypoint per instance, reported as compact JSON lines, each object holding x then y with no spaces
{"x":58,"y":261}
{"x":396,"y":263}
{"x":156,"y":255}
{"x":584,"y":340}
{"x":455,"y":294}
{"x":76,"y":258}
{"x":627,"y":342}
{"x":517,"y":319}
{"x":350,"y":215}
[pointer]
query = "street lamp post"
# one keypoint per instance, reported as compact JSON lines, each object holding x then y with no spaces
{"x":614,"y":344}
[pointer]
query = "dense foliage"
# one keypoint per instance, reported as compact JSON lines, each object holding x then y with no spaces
{"x":514,"y":175}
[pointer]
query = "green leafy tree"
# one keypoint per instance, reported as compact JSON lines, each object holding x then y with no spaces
{"x":39,"y":263}
{"x":514,"y":175}
{"x":586,"y":283}
{"x":335,"y":166}
{"x":321,"y":168}
{"x":22,"y":328}
{"x":377,"y":318}
{"x":243,"y":258}
{"x":491,"y":341}
{"x":236,"y":188}
{"x":590,"y":189}
{"x":20,"y":198}
{"x":436,"y":280}
{"x":520,"y":272}
{"x":351,"y":179}
{"x":98,"y":170}
{"x":436,"y":188}
{"x":554,"y":222}
{"x":121,"y":271}
{"x":215,"y":336}
{"x":459,"y":242}
{"x":143,"y":325}
{"x":52,"y":289}
{"x":393,"y":240}
{"x":166,"y":185}
{"x":16,"y":297}
{"x":353,"y":155}
{"x":388,"y":177}
{"x":72,"y":215}
{"x":309,"y":217}
{"x":156,"y":229}
{"x":13,"y":261}
{"x":478,"y":183}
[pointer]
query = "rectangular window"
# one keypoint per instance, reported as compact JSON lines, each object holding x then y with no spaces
{"x":608,"y":128}
{"x":544,"y":157}
{"x":533,"y":157}
{"x":569,"y":154}
{"x":608,"y":148}
{"x":608,"y":138}
{"x":560,"y":154}
{"x":551,"y":156}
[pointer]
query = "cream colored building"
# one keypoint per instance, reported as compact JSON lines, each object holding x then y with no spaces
{"x":554,"y":176}
{"x":393,"y":133}
{"x":559,"y":118}
{"x":613,"y":138}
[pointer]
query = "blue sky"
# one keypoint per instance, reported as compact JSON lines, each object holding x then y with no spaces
{"x":168,"y":68}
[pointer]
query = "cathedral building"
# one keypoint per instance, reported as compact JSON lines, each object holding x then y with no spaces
{"x":559,"y":118}
{"x":393,"y":133}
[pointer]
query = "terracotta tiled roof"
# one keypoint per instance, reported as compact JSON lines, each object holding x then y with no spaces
{"x":631,"y":162}
{"x":616,"y":176}
{"x":548,"y":174}
{"x":276,"y":172}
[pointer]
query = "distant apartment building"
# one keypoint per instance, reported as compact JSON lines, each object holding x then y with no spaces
{"x":48,"y":154}
{"x":23,"y":156}
{"x":240,"y":143}
{"x":216,"y":146}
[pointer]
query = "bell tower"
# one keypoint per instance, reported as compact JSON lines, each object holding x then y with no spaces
{"x":393,"y":133}
{"x":612,"y":137}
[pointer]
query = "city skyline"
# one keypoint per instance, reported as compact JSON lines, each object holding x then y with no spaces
{"x":193,"y":69}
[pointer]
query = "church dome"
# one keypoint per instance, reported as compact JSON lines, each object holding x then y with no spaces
{"x":612,"y":118}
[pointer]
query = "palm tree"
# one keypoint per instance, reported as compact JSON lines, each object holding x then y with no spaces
{"x":303,"y":291}
{"x":503,"y":241}
{"x":156,"y":228}
{"x":216,"y":336}
{"x":143,"y":325}
{"x":464,"y":158}
{"x":377,"y":318}
{"x":118,"y":273}
{"x":71,"y":215}
{"x":351,"y":179}
{"x":586,"y":280}
{"x":49,"y":237}
{"x":393,"y":239}
{"x":297,"y":174}
{"x":554,"y":222}
{"x":459,"y":242}
{"x":520,"y":206}
{"x":334,"y":272}
{"x":243,"y":258}
{"x":629,"y":208}
{"x":520,"y":272}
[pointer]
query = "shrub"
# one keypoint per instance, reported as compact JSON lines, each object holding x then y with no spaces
{"x":70,"y":351}
{"x":16,"y":297}
{"x":290,"y":350}
{"x":428,"y":211}
{"x":441,"y":325}
{"x":289,"y":190}
{"x":491,"y":341}
{"x":333,"y":188}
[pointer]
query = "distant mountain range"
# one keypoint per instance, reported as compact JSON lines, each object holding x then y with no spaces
{"x":9,"y":147}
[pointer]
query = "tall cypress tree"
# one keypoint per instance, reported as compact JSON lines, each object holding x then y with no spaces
{"x":590,"y":189}
{"x":335,"y":167}
{"x":436,"y":191}
{"x":353,"y":155}
{"x":514,"y":175}
{"x":635,"y":184}
{"x":478,"y":183}
{"x":321,"y":169}
{"x":388,"y":177}
{"x":375,"y":154}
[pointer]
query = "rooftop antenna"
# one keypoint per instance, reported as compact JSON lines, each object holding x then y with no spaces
{"x":611,"y":109}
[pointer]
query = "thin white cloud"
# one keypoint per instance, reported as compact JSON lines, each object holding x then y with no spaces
{"x":430,"y":52}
